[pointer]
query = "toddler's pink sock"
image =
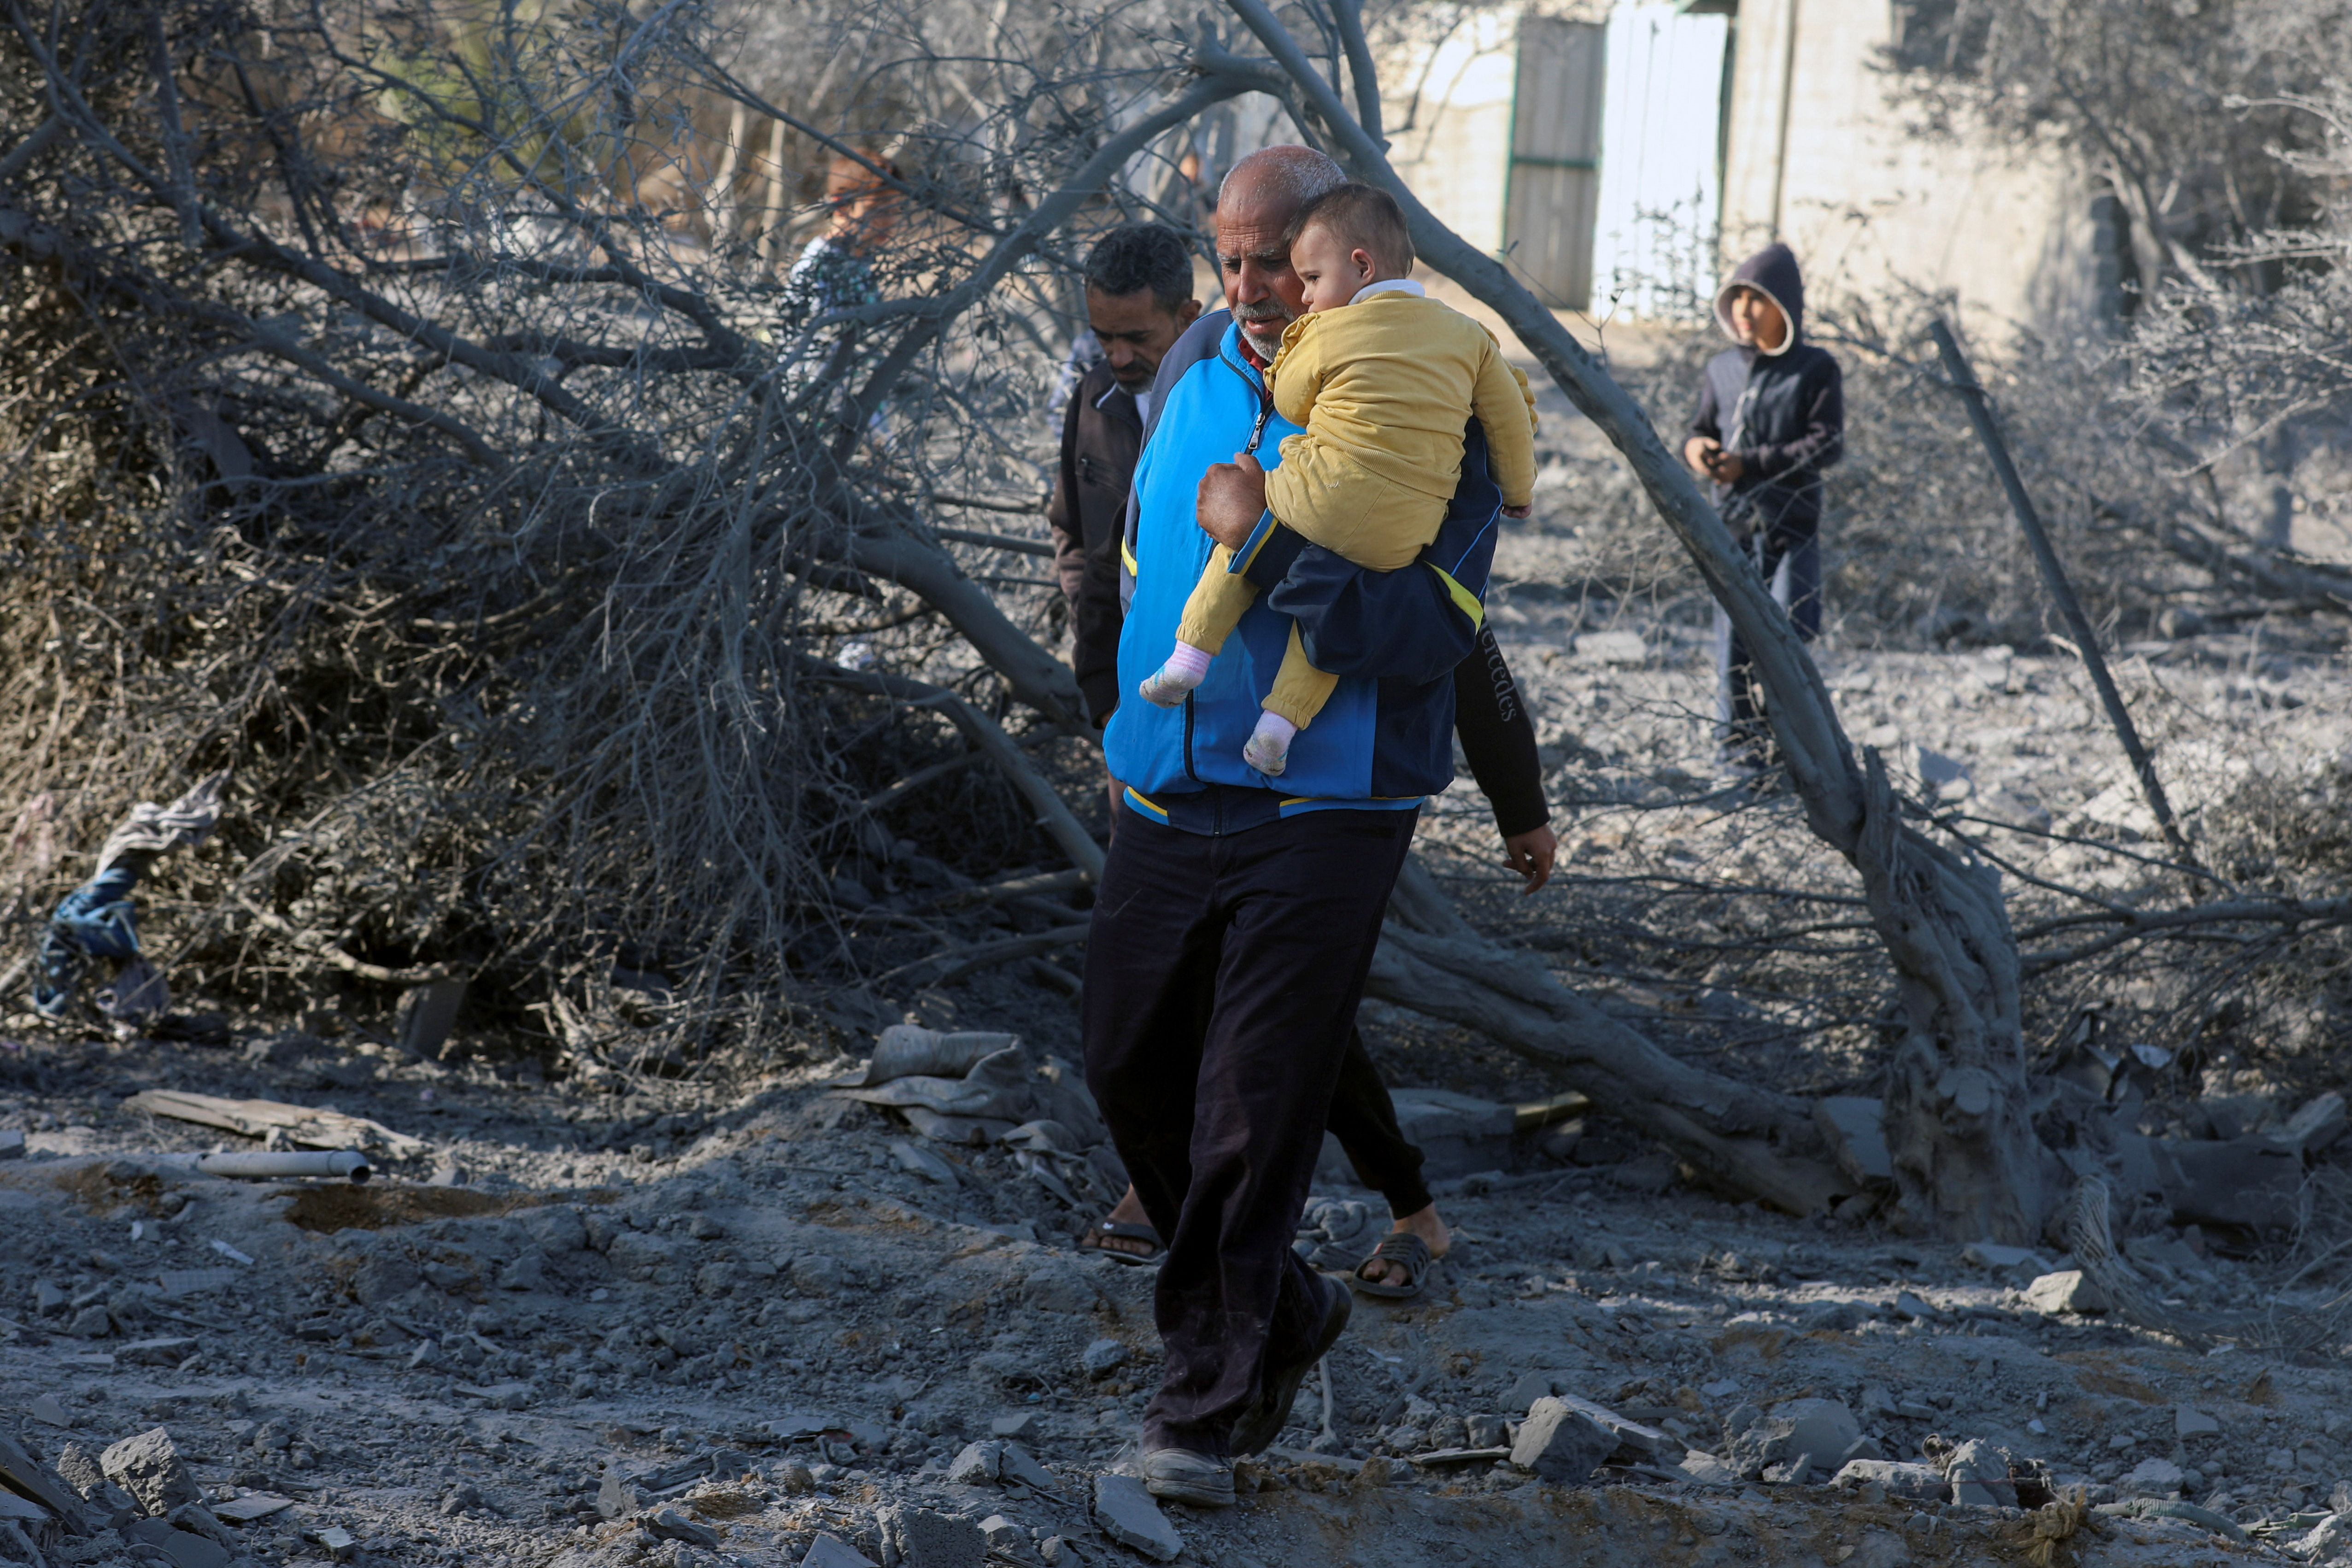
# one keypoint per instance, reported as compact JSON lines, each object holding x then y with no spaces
{"x":1269,"y":744}
{"x":1168,"y":685}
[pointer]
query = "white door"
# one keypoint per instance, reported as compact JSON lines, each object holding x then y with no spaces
{"x":1661,"y":187}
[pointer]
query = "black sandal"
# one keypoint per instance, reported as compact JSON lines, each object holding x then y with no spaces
{"x":1091,"y":1239}
{"x":1399,"y":1248}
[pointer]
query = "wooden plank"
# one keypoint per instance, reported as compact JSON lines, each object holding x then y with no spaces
{"x":259,"y":1118}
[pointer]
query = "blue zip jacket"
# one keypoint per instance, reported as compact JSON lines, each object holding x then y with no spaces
{"x":1385,"y":739}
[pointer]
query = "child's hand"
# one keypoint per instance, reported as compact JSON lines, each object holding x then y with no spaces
{"x":1517,"y":511}
{"x":1728,"y":468}
{"x":1230,"y":500}
{"x":1530,"y":854}
{"x":1700,"y":453}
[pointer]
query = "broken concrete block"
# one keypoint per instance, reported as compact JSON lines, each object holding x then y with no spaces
{"x":2069,"y":1290}
{"x":337,"y":1542}
{"x":428,"y":1017}
{"x":668,"y":1524}
{"x":1636,"y":1444}
{"x":1003,"y":1534}
{"x":1560,"y":1444}
{"x":1126,"y":1512}
{"x":2187,"y":1422}
{"x":1702,"y":1469}
{"x":1796,"y":1436}
{"x":148,"y":1467}
{"x":245,"y":1509}
{"x":832,"y":1552}
{"x":614,"y":1497}
{"x":12,"y":1145}
{"x":169,"y":1352}
{"x":1855,"y":1128}
{"x":1017,"y":1467}
{"x":1918,"y":1483}
{"x":46,"y":1409}
{"x":183,"y":1548}
{"x":923,"y":1539}
{"x":1021,"y":1424}
{"x":1982,"y":1475}
{"x":977,"y":1464}
{"x":2152,"y":1478}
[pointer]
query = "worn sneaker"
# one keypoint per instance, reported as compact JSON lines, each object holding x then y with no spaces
{"x":1186,"y":1477}
{"x":1262,"y":1422}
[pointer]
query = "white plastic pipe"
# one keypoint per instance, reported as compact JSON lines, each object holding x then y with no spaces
{"x":339,"y":1164}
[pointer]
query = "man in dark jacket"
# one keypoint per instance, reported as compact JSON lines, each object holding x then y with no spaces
{"x":1771,"y":416}
{"x":1139,"y":302}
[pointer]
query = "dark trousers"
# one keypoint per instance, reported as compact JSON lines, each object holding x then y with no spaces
{"x":1364,"y":1121}
{"x":1363,"y":1115}
{"x":1222,"y":975}
{"x":1791,"y":568}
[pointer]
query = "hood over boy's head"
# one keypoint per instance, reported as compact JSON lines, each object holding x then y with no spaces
{"x":1771,"y":272}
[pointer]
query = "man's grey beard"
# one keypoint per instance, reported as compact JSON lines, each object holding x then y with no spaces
{"x":1267,"y":342}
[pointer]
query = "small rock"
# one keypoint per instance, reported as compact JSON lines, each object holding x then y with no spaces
{"x":1799,"y":1435}
{"x":668,"y":1524}
{"x":1021,"y":1424}
{"x":1487,"y":1431}
{"x":1560,"y":1444}
{"x":977,"y":1464}
{"x":832,"y":1552}
{"x":1530,"y":1387}
{"x":1017,"y":1467}
{"x":148,"y":1467}
{"x":2068,"y":1290}
{"x":93,"y":1322}
{"x":12,"y":1145}
{"x":338,"y":1543}
{"x":2152,"y":1478}
{"x":1057,"y":1553}
{"x":1003,"y":1534}
{"x":156,"y":1352}
{"x":48,"y":1298}
{"x":1911,"y":1308}
{"x":1982,"y":1474}
{"x":46,"y":1409}
{"x":2187,"y":1422}
{"x":1126,"y":1512}
{"x":1102,"y":1357}
{"x":502,"y":1396}
{"x":918,"y":1161}
{"x":702,"y":1228}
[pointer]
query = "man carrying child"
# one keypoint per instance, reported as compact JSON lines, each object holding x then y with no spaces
{"x":1236,"y":922}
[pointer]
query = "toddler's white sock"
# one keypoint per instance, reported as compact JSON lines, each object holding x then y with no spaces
{"x":1172,"y":682}
{"x":1269,"y":744}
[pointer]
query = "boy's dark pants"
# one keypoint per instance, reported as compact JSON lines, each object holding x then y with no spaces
{"x":1222,"y":975}
{"x":1790,"y":564}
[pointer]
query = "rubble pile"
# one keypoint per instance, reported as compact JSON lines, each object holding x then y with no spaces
{"x":838,"y":1320}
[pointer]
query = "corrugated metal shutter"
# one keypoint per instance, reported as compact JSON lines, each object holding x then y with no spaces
{"x":1556,"y":159}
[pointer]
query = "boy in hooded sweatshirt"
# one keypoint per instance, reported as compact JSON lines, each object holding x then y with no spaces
{"x":1771,"y":416}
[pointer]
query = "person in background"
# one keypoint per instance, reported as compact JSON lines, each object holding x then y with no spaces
{"x":835,"y":270}
{"x":1138,"y":286}
{"x":1771,"y":416}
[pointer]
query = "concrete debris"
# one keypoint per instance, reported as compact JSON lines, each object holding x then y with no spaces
{"x":1795,"y":1437}
{"x":1126,"y":1512}
{"x":921,"y":1537}
{"x":1456,"y":1458}
{"x":250,"y":1506}
{"x":1702,"y":1469}
{"x":615,"y":1499}
{"x":182,"y":1548}
{"x":177,"y":1284}
{"x":1102,"y":1357}
{"x":1561,"y":1445}
{"x":1855,"y":1130}
{"x":2187,"y":1422}
{"x":2069,"y":1290}
{"x":46,"y":1409}
{"x":427,"y":1017}
{"x":337,"y":1542}
{"x":2000,"y":1259}
{"x":322,"y":1128}
{"x":832,"y":1552}
{"x":2152,"y":1478}
{"x":916,"y":1161}
{"x":976,"y":1465}
{"x":1983,"y":1474}
{"x":21,"y":1472}
{"x":2309,"y":1130}
{"x":1917,"y":1482}
{"x":168,"y":1352}
{"x":1636,"y":1443}
{"x":668,"y":1524}
{"x":1530,"y":1387}
{"x":149,"y":1467}
{"x":12,"y":1145}
{"x":1016,"y":1466}
{"x":2329,"y":1542}
{"x":1003,"y":1534}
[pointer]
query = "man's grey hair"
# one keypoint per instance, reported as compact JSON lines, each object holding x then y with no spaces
{"x":1298,"y":174}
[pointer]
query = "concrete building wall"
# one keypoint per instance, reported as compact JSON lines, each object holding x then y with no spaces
{"x":1819,"y":156}
{"x":1449,"y":118}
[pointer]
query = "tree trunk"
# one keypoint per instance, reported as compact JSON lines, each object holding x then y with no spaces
{"x":1967,"y":1163}
{"x":1752,"y":1140}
